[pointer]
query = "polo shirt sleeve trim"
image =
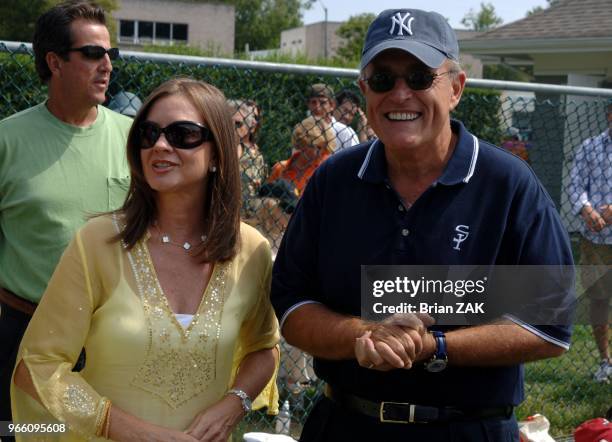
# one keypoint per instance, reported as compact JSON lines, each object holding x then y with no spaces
{"x":364,"y":166}
{"x":293,"y":308}
{"x":538,"y":332}
{"x":473,"y":160}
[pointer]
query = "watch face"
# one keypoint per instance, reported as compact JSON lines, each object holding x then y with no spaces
{"x":436,"y":365}
{"x":248,"y":403}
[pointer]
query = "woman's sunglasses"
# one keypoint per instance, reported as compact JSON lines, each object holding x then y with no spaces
{"x":180,"y":134}
{"x":417,"y":81}
{"x":96,"y":52}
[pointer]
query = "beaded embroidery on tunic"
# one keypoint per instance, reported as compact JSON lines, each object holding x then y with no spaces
{"x":177,"y":373}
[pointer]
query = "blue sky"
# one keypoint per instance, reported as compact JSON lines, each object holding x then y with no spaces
{"x":454,"y":10}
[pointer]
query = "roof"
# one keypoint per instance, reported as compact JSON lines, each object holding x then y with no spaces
{"x":572,"y":19}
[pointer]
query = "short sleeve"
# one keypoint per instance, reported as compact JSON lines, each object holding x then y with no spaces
{"x":543,"y":242}
{"x":294,"y":277}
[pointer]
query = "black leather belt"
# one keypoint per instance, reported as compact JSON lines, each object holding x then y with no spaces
{"x":406,"y":413}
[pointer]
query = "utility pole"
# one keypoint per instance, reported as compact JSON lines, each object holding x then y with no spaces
{"x":324,"y":30}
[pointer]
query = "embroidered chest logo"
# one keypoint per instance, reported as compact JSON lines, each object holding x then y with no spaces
{"x":404,"y":23}
{"x":463,"y":232}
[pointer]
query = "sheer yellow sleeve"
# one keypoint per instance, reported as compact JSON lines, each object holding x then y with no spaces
{"x":260,"y":331}
{"x":52,"y":344}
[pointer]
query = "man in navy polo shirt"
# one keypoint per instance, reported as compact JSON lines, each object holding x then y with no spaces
{"x":427,"y":192}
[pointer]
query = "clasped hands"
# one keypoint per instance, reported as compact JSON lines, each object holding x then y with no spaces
{"x":397,"y":342}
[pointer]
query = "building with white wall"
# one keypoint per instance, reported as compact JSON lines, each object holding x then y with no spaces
{"x":311,"y":40}
{"x":209,"y":26}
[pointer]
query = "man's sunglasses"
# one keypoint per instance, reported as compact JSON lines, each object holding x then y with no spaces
{"x":417,"y":80}
{"x":180,"y":134}
{"x":96,"y":52}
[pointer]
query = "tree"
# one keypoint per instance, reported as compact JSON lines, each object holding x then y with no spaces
{"x":260,"y":22}
{"x":18,"y":17}
{"x":482,"y":20}
{"x":353,"y":31}
{"x":539,"y":8}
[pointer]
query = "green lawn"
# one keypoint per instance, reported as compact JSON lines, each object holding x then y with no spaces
{"x":563,"y":389}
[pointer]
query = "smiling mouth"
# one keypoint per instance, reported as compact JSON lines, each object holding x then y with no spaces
{"x":162,"y":165}
{"x":402,"y":116}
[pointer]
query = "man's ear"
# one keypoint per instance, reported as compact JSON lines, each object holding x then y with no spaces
{"x":457,"y":86}
{"x":362,"y":85}
{"x":54,"y":62}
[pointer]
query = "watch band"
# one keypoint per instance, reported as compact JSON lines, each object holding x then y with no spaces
{"x":244,"y":398}
{"x":439,"y":359}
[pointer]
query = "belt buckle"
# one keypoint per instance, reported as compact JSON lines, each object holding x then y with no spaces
{"x":411,"y":410}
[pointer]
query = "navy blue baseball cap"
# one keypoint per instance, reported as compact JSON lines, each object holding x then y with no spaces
{"x":426,"y":35}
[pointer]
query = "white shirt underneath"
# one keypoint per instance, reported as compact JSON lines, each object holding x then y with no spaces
{"x":184,"y":319}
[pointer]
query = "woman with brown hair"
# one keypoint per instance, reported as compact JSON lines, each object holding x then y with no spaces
{"x":168,"y":295}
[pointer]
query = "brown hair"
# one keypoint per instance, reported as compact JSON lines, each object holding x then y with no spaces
{"x":221,"y":217}
{"x":53,"y":34}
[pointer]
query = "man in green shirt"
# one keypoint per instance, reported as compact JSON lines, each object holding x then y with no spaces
{"x":60,"y":161}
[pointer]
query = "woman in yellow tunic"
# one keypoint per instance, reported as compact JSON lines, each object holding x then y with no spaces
{"x":169,"y":295}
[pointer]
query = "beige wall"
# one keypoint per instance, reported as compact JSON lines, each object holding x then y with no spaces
{"x":595,"y":63}
{"x":310,"y":40}
{"x":210,"y":25}
{"x":293,"y":41}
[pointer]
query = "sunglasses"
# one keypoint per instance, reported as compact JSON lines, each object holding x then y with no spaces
{"x":417,"y":81}
{"x":96,"y":52}
{"x":180,"y":134}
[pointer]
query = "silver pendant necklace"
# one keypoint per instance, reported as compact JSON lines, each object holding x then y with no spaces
{"x":165,"y":239}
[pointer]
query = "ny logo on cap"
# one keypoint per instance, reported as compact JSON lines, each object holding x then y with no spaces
{"x":402,"y":26}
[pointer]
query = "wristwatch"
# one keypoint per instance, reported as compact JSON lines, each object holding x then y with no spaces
{"x":244,"y":398}
{"x":439,"y":360}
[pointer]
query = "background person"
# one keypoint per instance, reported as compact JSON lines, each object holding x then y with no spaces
{"x":126,"y":103}
{"x":321,"y":105}
{"x":169,"y":294}
{"x":426,"y":193}
{"x":277,"y":200}
{"x":59,"y":161}
{"x":313,"y":141}
{"x":591,"y":195}
{"x":348,"y":106}
{"x":253,"y":168}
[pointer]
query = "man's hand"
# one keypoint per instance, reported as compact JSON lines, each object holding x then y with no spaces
{"x":593,"y":219}
{"x":394,"y":343}
{"x":216,"y":423}
{"x":364,"y":130}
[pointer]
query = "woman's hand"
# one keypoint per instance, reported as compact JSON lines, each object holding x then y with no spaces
{"x":125,"y":427}
{"x":216,"y":423}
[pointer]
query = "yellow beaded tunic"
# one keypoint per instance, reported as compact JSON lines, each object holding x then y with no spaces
{"x":108,"y":300}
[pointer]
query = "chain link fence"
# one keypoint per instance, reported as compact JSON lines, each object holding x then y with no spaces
{"x":281,"y":144}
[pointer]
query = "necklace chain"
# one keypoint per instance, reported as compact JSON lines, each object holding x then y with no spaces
{"x":165,"y":239}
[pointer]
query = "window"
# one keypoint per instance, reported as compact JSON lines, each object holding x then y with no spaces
{"x":145,"y":29}
{"x":179,"y":32}
{"x":126,"y":29}
{"x":162,"y":31}
{"x":135,"y":32}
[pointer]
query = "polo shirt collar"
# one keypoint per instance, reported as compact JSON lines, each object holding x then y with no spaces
{"x":459,"y":169}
